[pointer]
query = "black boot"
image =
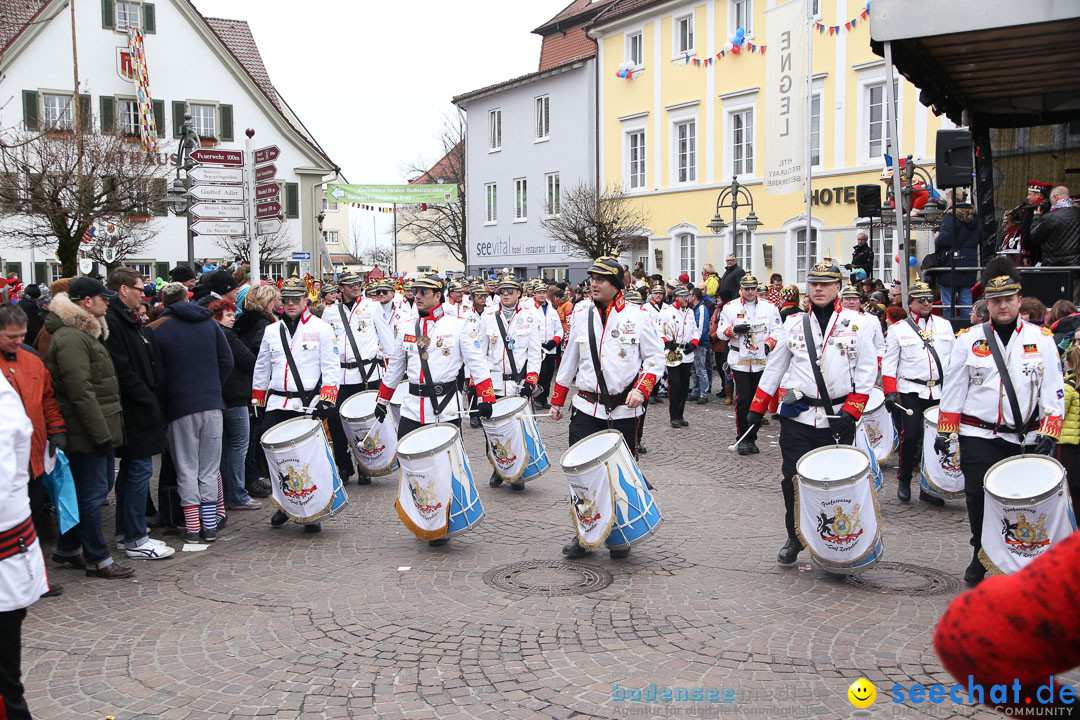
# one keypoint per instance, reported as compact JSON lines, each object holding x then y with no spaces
{"x":742,"y":448}
{"x":495,"y":480}
{"x":790,"y":552}
{"x":931,"y":499}
{"x":474,"y":421}
{"x":573,"y":549}
{"x":752,"y":447}
{"x":975,"y":572}
{"x":642,"y":450}
{"x":279,"y":518}
{"x":362,"y":479}
{"x":313,"y":528}
{"x":518,"y":486}
{"x":438,"y":543}
{"x":619,"y":554}
{"x":903,"y":490}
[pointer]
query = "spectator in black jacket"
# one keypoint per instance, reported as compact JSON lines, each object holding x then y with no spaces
{"x":862,"y":256}
{"x":29,"y":305}
{"x":236,"y":392}
{"x":1057,"y":233}
{"x":262,"y":304}
{"x":733,"y":274}
{"x":218,"y":285}
{"x":961,"y":234}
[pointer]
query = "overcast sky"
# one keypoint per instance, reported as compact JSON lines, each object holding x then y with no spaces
{"x":373,"y":80}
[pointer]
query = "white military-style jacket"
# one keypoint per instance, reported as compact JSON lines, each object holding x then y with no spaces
{"x":450,"y":344}
{"x":550,"y":325}
{"x":631,"y":356}
{"x":522,"y":341}
{"x":315,"y":351}
{"x":747,"y":352}
{"x":370,"y":332}
{"x":657,"y":314}
{"x":847,"y":359}
{"x":396,"y":318}
{"x":974,"y":402}
{"x":686,"y":327}
{"x":458,"y":310}
{"x":907,"y":366}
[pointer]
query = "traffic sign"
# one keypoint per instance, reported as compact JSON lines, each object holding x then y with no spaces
{"x":301,"y":256}
{"x":218,"y":157}
{"x":267,"y":191}
{"x":267,"y":154}
{"x":218,"y":211}
{"x":267,"y":209}
{"x":266,"y":172}
{"x":216,"y":174}
{"x":217,"y":192}
{"x":268,"y":227}
{"x":219,"y":227}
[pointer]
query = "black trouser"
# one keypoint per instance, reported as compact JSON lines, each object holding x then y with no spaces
{"x":582,"y":425}
{"x":678,"y":389}
{"x":911,"y":436}
{"x":342,"y":456}
{"x":39,"y":510}
{"x":547,"y":373}
{"x":745,"y":387}
{"x":11,"y":688}
{"x":721,"y":357}
{"x":976,"y":457}
{"x":407,"y":425}
{"x":255,"y":462}
{"x":797,"y":439}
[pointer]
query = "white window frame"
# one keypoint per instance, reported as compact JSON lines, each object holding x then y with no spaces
{"x":332,"y":237}
{"x":747,"y":7}
{"x":495,"y":130}
{"x":677,"y":48}
{"x":687,"y":261}
{"x":214,"y":132}
{"x":793,"y":227}
{"x":65,"y":113}
{"x":734,"y":103}
{"x":818,"y":96}
{"x":328,"y":205}
{"x":748,"y":116}
{"x":275,"y":270}
{"x":741,"y":245}
{"x":553,"y":195}
{"x":676,"y":151}
{"x":639,"y":37}
{"x":56,"y":271}
{"x":127,"y":107}
{"x":121,"y":25}
{"x":491,"y":203}
{"x":143,"y":267}
{"x":521,"y":200}
{"x":542,"y":118}
{"x":630,"y":130}
{"x":870,"y":75}
{"x":556,"y":273}
{"x":883,"y":253}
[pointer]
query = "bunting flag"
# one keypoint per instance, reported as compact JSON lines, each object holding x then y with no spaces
{"x":147,"y":123}
{"x":848,"y":26}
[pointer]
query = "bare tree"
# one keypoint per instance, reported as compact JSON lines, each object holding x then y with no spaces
{"x":274,"y":247}
{"x":441,"y":225}
{"x":377,"y":255}
{"x":592,"y":225}
{"x":56,"y":184}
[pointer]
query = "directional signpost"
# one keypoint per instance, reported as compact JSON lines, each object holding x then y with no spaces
{"x":211,"y":174}
{"x":267,"y":209}
{"x":219,"y":227}
{"x":268,"y":227}
{"x":267,"y":154}
{"x":209,"y":156}
{"x":267,"y":191}
{"x":217,"y":192}
{"x":266,"y":172}
{"x":218,"y":211}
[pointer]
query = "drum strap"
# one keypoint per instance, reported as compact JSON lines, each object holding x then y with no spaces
{"x":427,"y":388}
{"x":514,"y":374}
{"x":929,"y":348}
{"x":811,"y":350}
{"x":1006,"y":382}
{"x":601,"y":383}
{"x":366,"y":368}
{"x":305,"y":397}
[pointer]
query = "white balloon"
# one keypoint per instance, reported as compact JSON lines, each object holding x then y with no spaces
{"x":731,"y":37}
{"x":728,"y":45}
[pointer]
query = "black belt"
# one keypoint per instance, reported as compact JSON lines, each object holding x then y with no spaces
{"x":441,"y":389}
{"x":288,"y":394}
{"x":616,"y":400}
{"x":927,"y":383}
{"x":976,"y":422}
{"x":16,"y":540}
{"x":359,"y":363}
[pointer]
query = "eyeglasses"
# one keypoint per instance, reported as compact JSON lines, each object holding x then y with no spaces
{"x":292,"y":300}
{"x":920,"y":300}
{"x":507,"y":291}
{"x":421,"y":292}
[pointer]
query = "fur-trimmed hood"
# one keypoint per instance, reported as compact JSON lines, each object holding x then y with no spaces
{"x":67,"y":312}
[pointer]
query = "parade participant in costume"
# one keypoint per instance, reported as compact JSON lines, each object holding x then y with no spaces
{"x":920,"y":193}
{"x":612,"y":338}
{"x":635,"y":297}
{"x":915,"y":363}
{"x":752,"y":327}
{"x":850,"y":299}
{"x":491,"y":287}
{"x":479,"y":299}
{"x":825,"y":399}
{"x":680,"y":349}
{"x":396,"y":319}
{"x":662,"y":317}
{"x":297,"y":371}
{"x":454,"y":305}
{"x":550,"y":336}
{"x":360,"y":330}
{"x":1038,"y":198}
{"x":992,"y":414}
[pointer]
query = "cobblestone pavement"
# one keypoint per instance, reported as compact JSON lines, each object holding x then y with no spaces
{"x":276,"y":623}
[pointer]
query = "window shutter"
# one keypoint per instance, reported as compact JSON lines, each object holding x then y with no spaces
{"x":179,"y":107}
{"x":158,"y":188}
{"x":108,"y":14}
{"x":86,"y":115}
{"x":107,"y":111}
{"x":292,"y":200}
{"x":30,"y":109}
{"x":159,"y":116}
{"x":226,"y":131}
{"x":292,"y":268}
{"x":161,"y":270}
{"x":149,"y":19}
{"x":41,"y":273}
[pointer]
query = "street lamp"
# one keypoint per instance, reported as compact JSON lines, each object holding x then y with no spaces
{"x":735,"y":197}
{"x":177,"y":197}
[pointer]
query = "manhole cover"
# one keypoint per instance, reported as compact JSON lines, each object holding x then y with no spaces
{"x":905,"y":579}
{"x":548,"y":577}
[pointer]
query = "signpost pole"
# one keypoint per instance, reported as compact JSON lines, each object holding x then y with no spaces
{"x":395,"y":238}
{"x":249,"y":183}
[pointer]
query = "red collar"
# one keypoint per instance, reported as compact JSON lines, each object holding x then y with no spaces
{"x":436,"y":313}
{"x":305,"y":316}
{"x":619,"y":302}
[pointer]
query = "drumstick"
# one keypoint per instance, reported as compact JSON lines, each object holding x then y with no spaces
{"x":733,"y":447}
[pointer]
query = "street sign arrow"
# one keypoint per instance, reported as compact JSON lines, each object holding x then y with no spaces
{"x":216,"y":174}
{"x":267,"y":209}
{"x":218,"y":157}
{"x":218,"y":211}
{"x":267,"y":191}
{"x":267,"y":154}
{"x":268,"y":227}
{"x":266,"y":172}
{"x":217,"y":192}
{"x":219,"y":227}
{"x":337,"y":193}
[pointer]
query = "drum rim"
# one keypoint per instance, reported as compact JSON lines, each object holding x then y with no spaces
{"x":1034,"y":499}
{"x":926,"y":420}
{"x":292,"y":441}
{"x":500,"y":418}
{"x":341,"y":407}
{"x":832,"y":483}
{"x":433,"y":451}
{"x":598,"y":459}
{"x":872,"y":408}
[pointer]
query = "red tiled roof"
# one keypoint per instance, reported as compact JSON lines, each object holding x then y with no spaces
{"x":521,"y":79}
{"x":623,"y":8}
{"x":443,"y":170}
{"x":576,"y":13}
{"x":14,"y":18}
{"x":560,"y":47}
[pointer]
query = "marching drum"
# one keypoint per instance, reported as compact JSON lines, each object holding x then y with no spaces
{"x":305,"y":484}
{"x":436,"y":494}
{"x":862,"y":440}
{"x":375,"y":448}
{"x":836,"y":513}
{"x":515,"y":449}
{"x":1027,"y":509}
{"x":941,"y":474}
{"x":395,"y":403}
{"x":879,"y":426}
{"x":610,"y":502}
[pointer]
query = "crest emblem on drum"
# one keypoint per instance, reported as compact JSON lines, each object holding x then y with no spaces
{"x":841,"y":528}
{"x":424,"y":498}
{"x":950,"y":463}
{"x":585,"y":509}
{"x":372,"y":445}
{"x":873,"y":433}
{"x":297,"y":486}
{"x":1022,"y":535}
{"x":503,"y":453}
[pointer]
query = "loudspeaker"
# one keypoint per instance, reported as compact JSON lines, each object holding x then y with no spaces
{"x":955,"y":158}
{"x":868,"y":198}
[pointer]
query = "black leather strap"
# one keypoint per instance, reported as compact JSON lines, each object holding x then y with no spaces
{"x":514,"y":374}
{"x":304,"y":395}
{"x":429,"y":389}
{"x":1010,"y":392}
{"x":811,"y":350}
{"x":931,"y":350}
{"x":364,"y":376}
{"x":605,"y":397}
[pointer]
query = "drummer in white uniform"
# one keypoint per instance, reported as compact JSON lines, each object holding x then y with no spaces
{"x":977,"y":407}
{"x":850,"y":299}
{"x":915,"y":363}
{"x":551,"y":332}
{"x":660,"y":315}
{"x":455,"y":305}
{"x":478,"y":299}
{"x":631,"y":359}
{"x":274,"y":385}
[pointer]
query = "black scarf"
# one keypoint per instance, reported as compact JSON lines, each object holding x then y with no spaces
{"x":823,"y":315}
{"x":1004,"y":332}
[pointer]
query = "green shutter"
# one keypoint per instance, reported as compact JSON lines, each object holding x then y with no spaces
{"x":41,"y":273}
{"x":292,"y":200}
{"x":292,"y":268}
{"x":108,"y":15}
{"x":30,"y":109}
{"x":14,"y":267}
{"x":158,"y":188}
{"x":107,"y":111}
{"x":159,"y":116}
{"x":149,"y":19}
{"x":226,"y":123}
{"x":86,"y":114}
{"x":161,"y":270}
{"x":179,"y":107}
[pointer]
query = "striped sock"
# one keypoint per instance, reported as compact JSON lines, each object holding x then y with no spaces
{"x":207,"y":515}
{"x":191,"y":518}
{"x":220,"y":497}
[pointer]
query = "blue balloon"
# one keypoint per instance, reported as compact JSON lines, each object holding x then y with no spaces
{"x":740,"y":34}
{"x":913,"y":261}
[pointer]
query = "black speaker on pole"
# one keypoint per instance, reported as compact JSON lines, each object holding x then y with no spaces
{"x":868,"y":198}
{"x":955,"y":158}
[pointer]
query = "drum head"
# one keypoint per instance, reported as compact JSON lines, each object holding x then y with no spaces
{"x":590,"y":449}
{"x":1023,"y":477}
{"x":289,"y":430}
{"x":833,"y":464}
{"x":426,"y":439}
{"x":877,"y":399}
{"x":507,"y":406}
{"x":931,"y":415}
{"x":360,"y":405}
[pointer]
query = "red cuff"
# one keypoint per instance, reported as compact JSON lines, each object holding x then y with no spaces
{"x":558,"y":395}
{"x":771,"y":342}
{"x":729,"y":333}
{"x":646,"y":384}
{"x":259,"y":396}
{"x":948,"y":422}
{"x":385,"y":392}
{"x":328,"y":393}
{"x":856,"y":403}
{"x":695,"y":342}
{"x":485,"y":391}
{"x":532,"y":378}
{"x":760,"y":403}
{"x":557,"y":339}
{"x":1051,"y":426}
{"x":888,"y":384}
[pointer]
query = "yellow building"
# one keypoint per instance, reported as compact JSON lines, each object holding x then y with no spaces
{"x":676,"y":133}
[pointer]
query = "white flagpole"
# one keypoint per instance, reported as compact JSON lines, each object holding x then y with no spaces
{"x":809,"y":126}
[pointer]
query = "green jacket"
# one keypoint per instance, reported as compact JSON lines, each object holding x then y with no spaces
{"x":83,"y":377}
{"x":1070,"y":428}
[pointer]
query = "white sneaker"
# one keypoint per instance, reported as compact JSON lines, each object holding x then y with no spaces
{"x":152,"y":550}
{"x":121,"y":545}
